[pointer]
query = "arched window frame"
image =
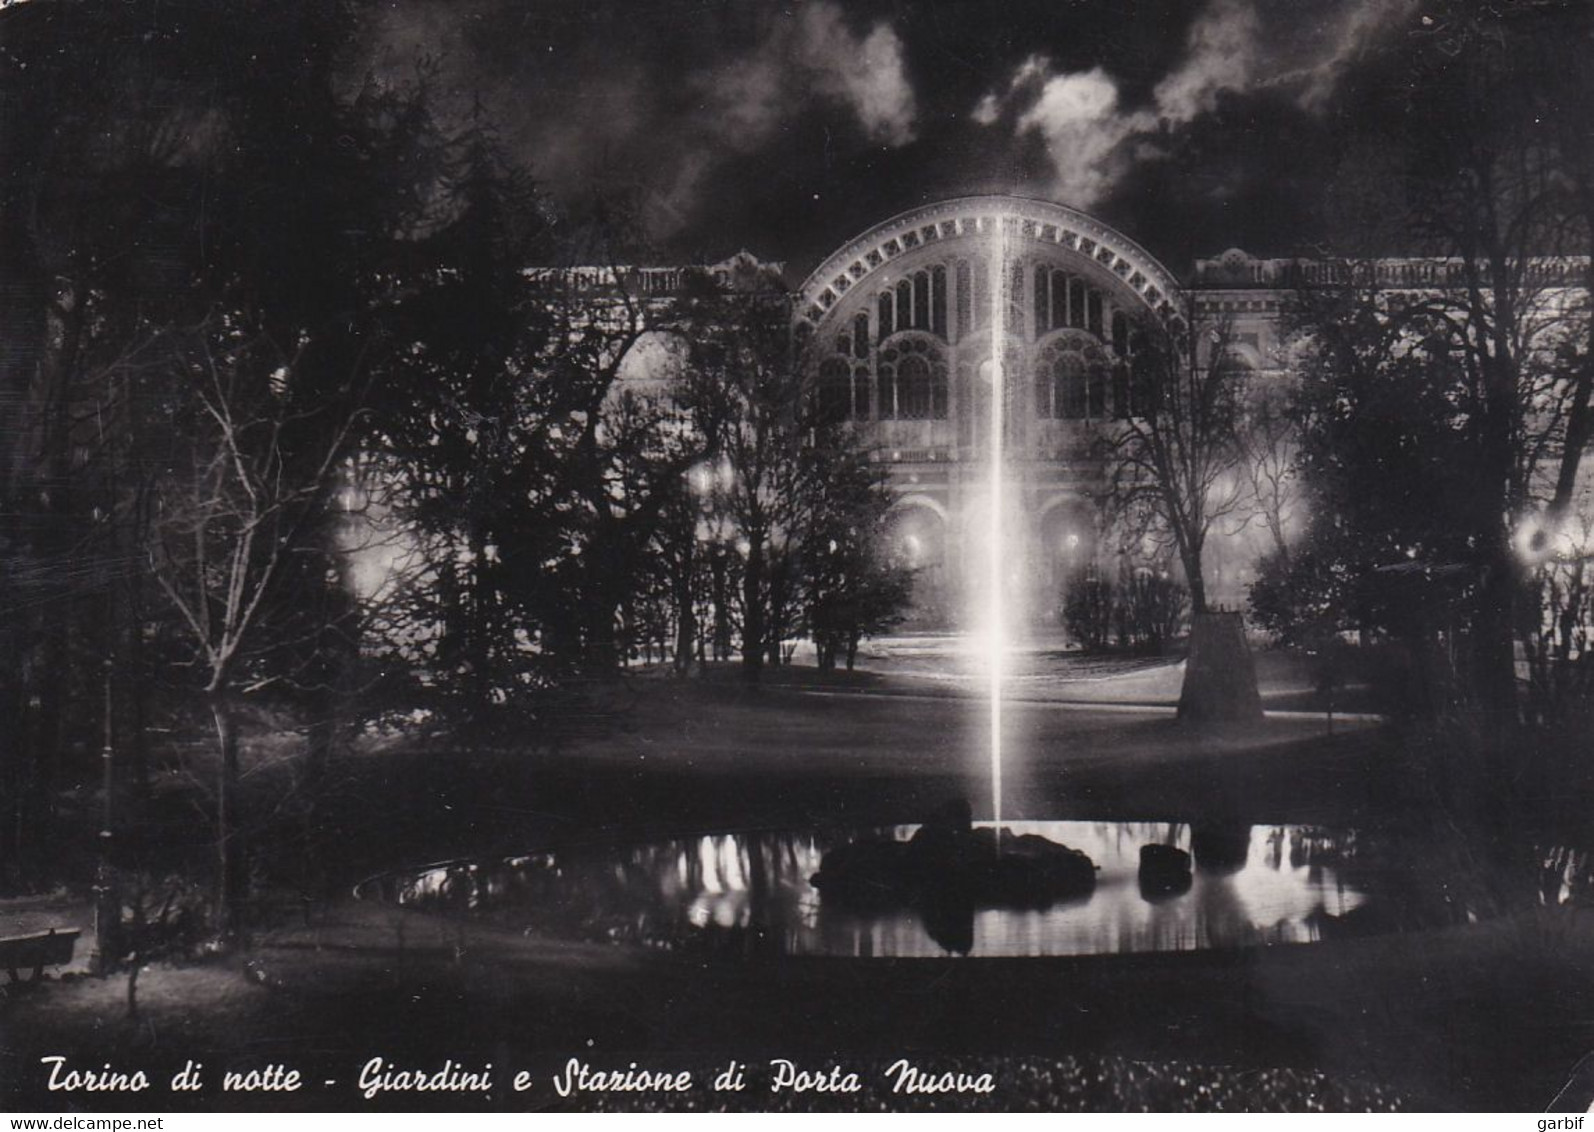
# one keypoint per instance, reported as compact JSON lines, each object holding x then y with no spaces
{"x":1072,"y":380}
{"x":913,"y":380}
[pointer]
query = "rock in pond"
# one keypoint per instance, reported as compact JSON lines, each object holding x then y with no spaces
{"x":1164,"y":871}
{"x":948,"y":859}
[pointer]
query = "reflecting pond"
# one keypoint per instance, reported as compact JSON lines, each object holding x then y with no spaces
{"x":750,"y":893}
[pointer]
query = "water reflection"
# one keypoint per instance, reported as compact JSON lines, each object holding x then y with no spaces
{"x":750,"y":894}
{"x":1566,"y":877}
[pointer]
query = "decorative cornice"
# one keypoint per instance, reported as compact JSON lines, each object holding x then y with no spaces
{"x":1237,"y":270}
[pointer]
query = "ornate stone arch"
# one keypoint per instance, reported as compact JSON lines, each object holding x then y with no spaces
{"x":919,"y":499}
{"x":870,"y":261}
{"x":1068,"y":538}
{"x":919,"y":529}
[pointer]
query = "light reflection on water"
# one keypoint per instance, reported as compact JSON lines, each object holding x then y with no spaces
{"x":750,"y":894}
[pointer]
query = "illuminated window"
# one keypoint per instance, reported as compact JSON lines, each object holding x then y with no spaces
{"x":913,"y":382}
{"x":913,"y":388}
{"x":1068,"y":385}
{"x":1072,"y":381}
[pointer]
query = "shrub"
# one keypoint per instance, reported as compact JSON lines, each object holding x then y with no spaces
{"x":1088,"y":602}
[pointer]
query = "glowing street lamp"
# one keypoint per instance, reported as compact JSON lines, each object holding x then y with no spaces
{"x":1541,"y":538}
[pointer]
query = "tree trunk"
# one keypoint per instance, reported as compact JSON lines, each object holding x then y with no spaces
{"x":1580,"y":414}
{"x":1494,"y":653}
{"x":603,"y":646}
{"x":722,"y":620}
{"x":231,"y":862}
{"x":1190,"y":559}
{"x":685,"y":611}
{"x":753,"y":612}
{"x":132,"y":989}
{"x":24,"y":344}
{"x":482,"y":615}
{"x":137,"y":692}
{"x":1494,"y":617}
{"x":319,"y":739}
{"x":17,"y":821}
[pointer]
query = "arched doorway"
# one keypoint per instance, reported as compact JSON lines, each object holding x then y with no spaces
{"x":916,"y":540}
{"x":1067,"y":545}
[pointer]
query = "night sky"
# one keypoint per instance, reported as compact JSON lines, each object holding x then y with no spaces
{"x":786,"y":128}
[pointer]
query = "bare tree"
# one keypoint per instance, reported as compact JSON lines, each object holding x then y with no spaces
{"x":235,"y":513}
{"x":1266,"y":439}
{"x":1175,"y":469}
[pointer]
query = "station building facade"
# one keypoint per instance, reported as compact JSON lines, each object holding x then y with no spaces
{"x":896,"y":332}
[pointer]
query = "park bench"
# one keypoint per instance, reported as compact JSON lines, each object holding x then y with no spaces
{"x":44,"y":949}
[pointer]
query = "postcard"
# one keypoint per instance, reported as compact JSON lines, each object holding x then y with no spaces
{"x":826,"y":556}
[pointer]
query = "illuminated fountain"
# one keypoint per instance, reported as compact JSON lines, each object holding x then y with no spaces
{"x":946,"y":885}
{"x":947,"y":865}
{"x":996,"y":606}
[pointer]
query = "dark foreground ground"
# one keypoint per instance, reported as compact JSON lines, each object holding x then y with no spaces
{"x":1492,"y":1015}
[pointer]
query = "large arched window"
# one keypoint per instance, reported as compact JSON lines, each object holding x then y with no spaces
{"x":913,"y":381}
{"x":913,"y":388}
{"x":1072,"y":381}
{"x":1062,"y":301}
{"x":980,"y":272}
{"x":1069,"y":387}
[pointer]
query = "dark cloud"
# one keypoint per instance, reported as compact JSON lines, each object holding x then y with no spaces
{"x":788,"y":127}
{"x":658,"y":100}
{"x":1095,"y":136}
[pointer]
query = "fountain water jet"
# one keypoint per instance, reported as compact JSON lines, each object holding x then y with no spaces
{"x":948,"y":867}
{"x":996,"y":612}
